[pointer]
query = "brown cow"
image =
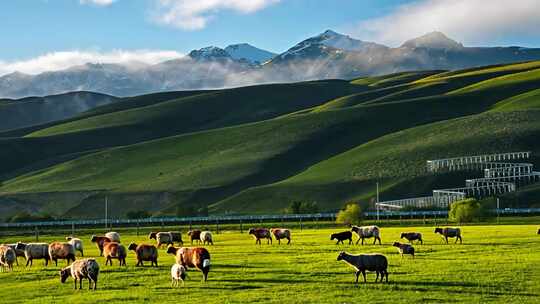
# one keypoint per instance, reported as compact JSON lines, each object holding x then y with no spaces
{"x":114,"y":250}
{"x":450,"y":233}
{"x":261,"y":233}
{"x":100,"y":242}
{"x":404,"y":248}
{"x":197,"y":257}
{"x":412,"y":236}
{"x":281,"y":233}
{"x":195,"y":235}
{"x":61,"y":251}
{"x":145,"y":252}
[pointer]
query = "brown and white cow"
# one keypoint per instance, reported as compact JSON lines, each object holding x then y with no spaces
{"x":281,"y":233}
{"x":261,"y":233}
{"x":196,"y":257}
{"x":100,"y":242}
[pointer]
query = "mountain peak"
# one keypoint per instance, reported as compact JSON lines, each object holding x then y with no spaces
{"x":209,"y":52}
{"x":247,"y":52}
{"x":433,"y":40}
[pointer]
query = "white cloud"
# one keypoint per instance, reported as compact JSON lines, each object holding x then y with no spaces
{"x":195,"y":14}
{"x":472,"y":21}
{"x":61,"y":60}
{"x":97,"y":2}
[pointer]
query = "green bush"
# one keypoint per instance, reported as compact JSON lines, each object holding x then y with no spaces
{"x":466,"y":210}
{"x":298,"y":207}
{"x":24,"y":216}
{"x":140,"y":214}
{"x":351,"y":215}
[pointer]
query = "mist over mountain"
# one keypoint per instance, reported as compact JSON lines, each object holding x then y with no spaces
{"x":324,"y":56}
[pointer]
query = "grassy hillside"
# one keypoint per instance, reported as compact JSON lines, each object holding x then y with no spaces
{"x":256,"y":149}
{"x":30,"y":111}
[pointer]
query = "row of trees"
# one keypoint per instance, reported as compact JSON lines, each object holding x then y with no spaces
{"x":464,"y":211}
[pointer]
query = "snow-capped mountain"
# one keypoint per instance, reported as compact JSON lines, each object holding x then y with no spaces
{"x":327,"y":55}
{"x":433,"y":40}
{"x":249,"y":53}
{"x":209,"y":53}
{"x":326,"y":44}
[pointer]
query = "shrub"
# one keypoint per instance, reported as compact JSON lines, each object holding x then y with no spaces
{"x":466,"y":210}
{"x":140,"y":214}
{"x":298,"y":207}
{"x":24,"y":216}
{"x":351,"y":215}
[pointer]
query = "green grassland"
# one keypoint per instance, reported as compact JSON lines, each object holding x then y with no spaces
{"x":256,"y":149}
{"x":495,"y":264}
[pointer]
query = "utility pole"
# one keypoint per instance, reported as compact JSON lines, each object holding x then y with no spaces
{"x":106,"y":210}
{"x":377,"y":202}
{"x":498,"y":206}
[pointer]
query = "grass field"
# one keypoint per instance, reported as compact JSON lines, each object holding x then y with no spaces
{"x":499,"y":264}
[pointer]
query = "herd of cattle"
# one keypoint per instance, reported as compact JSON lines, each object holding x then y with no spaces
{"x":110,"y":248}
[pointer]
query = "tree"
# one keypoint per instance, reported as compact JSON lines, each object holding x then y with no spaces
{"x":464,"y":211}
{"x":139,"y":214}
{"x":352,"y":214}
{"x":298,"y":207}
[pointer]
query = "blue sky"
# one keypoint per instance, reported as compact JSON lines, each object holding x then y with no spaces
{"x":34,"y":28}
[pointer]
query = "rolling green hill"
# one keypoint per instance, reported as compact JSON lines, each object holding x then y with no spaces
{"x":256,"y":149}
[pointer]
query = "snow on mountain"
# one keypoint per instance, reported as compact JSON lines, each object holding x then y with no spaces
{"x":327,"y":43}
{"x":209,"y":53}
{"x":244,"y":51}
{"x":327,"y":55}
{"x":433,"y":40}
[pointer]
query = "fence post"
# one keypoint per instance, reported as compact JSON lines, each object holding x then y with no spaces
{"x":37,"y":234}
{"x":72,"y":228}
{"x":190,"y":225}
{"x":241,"y":228}
{"x":138,"y":224}
{"x":301,"y":226}
{"x":217,"y":226}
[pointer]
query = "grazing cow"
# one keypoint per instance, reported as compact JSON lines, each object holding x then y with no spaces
{"x":412,"y":236}
{"x":18,"y":252}
{"x":145,"y":253}
{"x":34,"y":251}
{"x":113,"y":236}
{"x":370,"y":262}
{"x":281,"y":233}
{"x":76,"y":243}
{"x":367,"y":232}
{"x":261,"y":233}
{"x":207,"y":238}
{"x":114,"y":250}
{"x":166,"y":238}
{"x":61,"y":251}
{"x":404,"y":249}
{"x":7,"y":257}
{"x":195,"y":235}
{"x":197,"y":257}
{"x":341,"y":236}
{"x":100,"y":242}
{"x":178,"y":274}
{"x":81,"y":269}
{"x":538,"y":231}
{"x":450,"y":233}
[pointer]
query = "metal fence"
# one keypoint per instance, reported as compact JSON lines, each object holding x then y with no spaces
{"x":248,"y":218}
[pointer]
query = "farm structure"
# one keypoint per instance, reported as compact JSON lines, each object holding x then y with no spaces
{"x":502,"y":174}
